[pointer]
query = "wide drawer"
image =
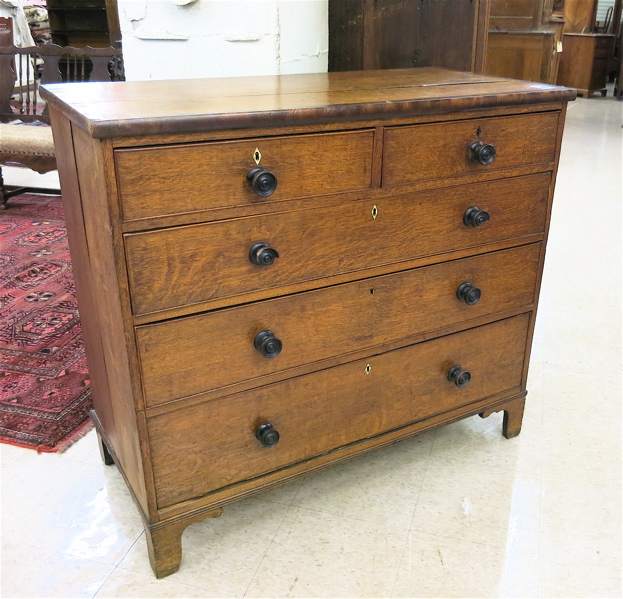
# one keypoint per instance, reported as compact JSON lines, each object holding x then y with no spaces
{"x":186,"y":178}
{"x":603,"y":50}
{"x":599,"y":74}
{"x":208,"y":446}
{"x":190,"y":355}
{"x":191,"y":264}
{"x":439,"y":150}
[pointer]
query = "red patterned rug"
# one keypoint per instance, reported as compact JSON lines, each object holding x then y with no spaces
{"x":45,"y":395}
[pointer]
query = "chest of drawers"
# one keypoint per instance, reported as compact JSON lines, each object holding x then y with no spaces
{"x":585,"y":61}
{"x":276,"y":274}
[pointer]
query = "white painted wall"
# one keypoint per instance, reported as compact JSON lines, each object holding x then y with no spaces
{"x":186,"y":39}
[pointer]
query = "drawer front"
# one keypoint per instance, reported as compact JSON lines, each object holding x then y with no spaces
{"x":603,"y":50}
{"x":186,"y":265}
{"x":604,"y":46}
{"x":599,"y":74}
{"x":187,"y":178}
{"x":439,"y":150}
{"x":200,"y":353}
{"x":206,"y":447}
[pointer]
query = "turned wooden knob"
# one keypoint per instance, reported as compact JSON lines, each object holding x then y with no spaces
{"x":262,"y":181}
{"x":483,"y":153}
{"x":267,"y":435}
{"x":468,"y":293}
{"x":267,"y":344}
{"x":459,"y":377}
{"x":262,"y":254}
{"x":474,"y":217}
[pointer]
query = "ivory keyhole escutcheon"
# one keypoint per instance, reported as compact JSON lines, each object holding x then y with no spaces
{"x":368,"y":368}
{"x":257,"y":156}
{"x":375,"y":212}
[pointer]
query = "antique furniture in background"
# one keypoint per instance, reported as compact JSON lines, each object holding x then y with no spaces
{"x":584,"y":63}
{"x":580,"y":16}
{"x":353,"y":259}
{"x":618,"y":86}
{"x":529,"y":55}
{"x":81,"y":23}
{"x":588,"y":57}
{"x":387,"y":34}
{"x":22,"y":71}
{"x":525,"y":39}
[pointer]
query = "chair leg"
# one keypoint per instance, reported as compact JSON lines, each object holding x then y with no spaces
{"x":3,"y":204}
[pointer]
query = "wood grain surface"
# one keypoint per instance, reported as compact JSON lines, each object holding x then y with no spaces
{"x":161,"y":107}
{"x":434,"y":151}
{"x":214,"y":174}
{"x":191,"y":355}
{"x":200,"y":449}
{"x":186,"y":265}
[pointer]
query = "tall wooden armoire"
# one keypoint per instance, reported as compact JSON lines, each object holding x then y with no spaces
{"x":525,"y":39}
{"x":387,"y":34}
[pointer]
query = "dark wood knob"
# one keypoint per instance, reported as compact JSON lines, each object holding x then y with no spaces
{"x":267,"y":344}
{"x":474,"y":217}
{"x":468,"y":293}
{"x":262,"y":254}
{"x":483,"y":153}
{"x":267,"y":435}
{"x":459,"y":377}
{"x":262,"y":181}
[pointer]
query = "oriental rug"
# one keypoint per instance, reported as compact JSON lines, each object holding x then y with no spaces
{"x":45,"y":395}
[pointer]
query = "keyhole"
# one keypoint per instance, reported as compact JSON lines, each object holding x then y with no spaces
{"x":478,"y":132}
{"x":257,"y":156}
{"x":375,"y":212}
{"x":372,"y":291}
{"x":368,"y":368}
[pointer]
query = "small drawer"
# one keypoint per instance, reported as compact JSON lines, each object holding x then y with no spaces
{"x":440,"y":150}
{"x":183,"y":266}
{"x":204,"y":176}
{"x":203,"y":448}
{"x":603,"y":51}
{"x":191,"y":355}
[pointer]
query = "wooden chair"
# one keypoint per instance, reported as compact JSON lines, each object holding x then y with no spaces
{"x":22,"y":71}
{"x":618,"y":85}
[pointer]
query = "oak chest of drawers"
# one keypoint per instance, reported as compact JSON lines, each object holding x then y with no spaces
{"x":278,"y":273}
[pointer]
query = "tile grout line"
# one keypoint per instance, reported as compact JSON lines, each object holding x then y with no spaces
{"x":541,"y":458}
{"x":105,"y":581}
{"x":268,"y":545}
{"x":117,"y":565}
{"x":408,"y":539}
{"x":120,"y":567}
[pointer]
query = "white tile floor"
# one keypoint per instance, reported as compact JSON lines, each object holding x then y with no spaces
{"x":460,"y":512}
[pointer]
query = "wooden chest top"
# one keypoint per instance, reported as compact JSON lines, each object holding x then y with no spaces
{"x":164,"y":107}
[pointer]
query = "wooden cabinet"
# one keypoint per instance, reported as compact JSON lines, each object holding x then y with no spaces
{"x":80,"y":23}
{"x":388,"y":34}
{"x":274,"y":281}
{"x":530,"y":55}
{"x":525,"y":39}
{"x":584,"y":63}
{"x":580,"y":16}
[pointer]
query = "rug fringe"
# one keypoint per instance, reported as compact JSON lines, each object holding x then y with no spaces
{"x":63,"y":446}
{"x":67,"y":442}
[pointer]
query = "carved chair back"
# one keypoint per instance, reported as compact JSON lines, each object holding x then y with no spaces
{"x":23,"y":70}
